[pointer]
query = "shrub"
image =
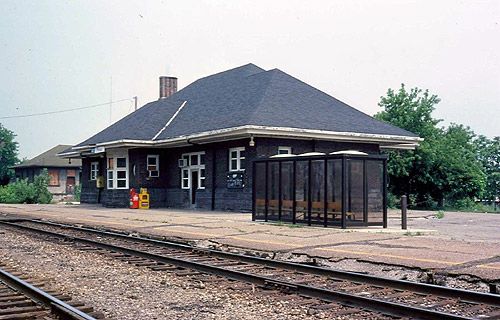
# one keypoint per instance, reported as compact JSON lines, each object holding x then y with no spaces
{"x":393,"y":201}
{"x":78,"y":192}
{"x":40,"y":186}
{"x":468,"y":204}
{"x":22,"y":191}
{"x":18,"y":192}
{"x":440,"y":214}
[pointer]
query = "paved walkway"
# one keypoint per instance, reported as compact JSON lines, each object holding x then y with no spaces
{"x":458,"y":243}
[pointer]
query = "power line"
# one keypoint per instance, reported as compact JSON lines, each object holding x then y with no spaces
{"x":66,"y":110}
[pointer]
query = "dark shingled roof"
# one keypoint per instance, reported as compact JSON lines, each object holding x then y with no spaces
{"x":247,"y":95}
{"x":50,"y":159}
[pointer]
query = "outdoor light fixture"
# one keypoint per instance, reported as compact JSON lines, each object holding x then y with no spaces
{"x":69,"y":160}
{"x":251,"y":143}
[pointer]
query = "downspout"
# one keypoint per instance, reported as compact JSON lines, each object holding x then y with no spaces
{"x":214,"y":166}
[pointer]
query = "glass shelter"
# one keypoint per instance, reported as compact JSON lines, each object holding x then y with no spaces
{"x":331,"y":190}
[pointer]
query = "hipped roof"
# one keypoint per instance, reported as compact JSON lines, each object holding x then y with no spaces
{"x":50,"y":159}
{"x":242,"y":97}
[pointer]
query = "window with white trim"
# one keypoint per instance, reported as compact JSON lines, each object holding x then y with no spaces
{"x":194,"y":161}
{"x":284,"y":150}
{"x":117,"y":170}
{"x":185,"y":179}
{"x":153,"y":165}
{"x":237,"y":159}
{"x":94,"y":170}
{"x":201,"y":177}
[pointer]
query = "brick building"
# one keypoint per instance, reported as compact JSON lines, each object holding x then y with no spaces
{"x":64,"y":175}
{"x":194,"y":148}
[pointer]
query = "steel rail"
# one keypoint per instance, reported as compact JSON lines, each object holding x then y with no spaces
{"x":465,"y":295}
{"x":377,"y":305}
{"x":61,"y":309}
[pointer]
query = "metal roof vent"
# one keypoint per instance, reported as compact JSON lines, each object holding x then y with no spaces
{"x":283,"y":155}
{"x":309,"y":154}
{"x":350,"y":152}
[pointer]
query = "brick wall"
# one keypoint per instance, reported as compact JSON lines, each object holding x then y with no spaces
{"x":165,"y":190}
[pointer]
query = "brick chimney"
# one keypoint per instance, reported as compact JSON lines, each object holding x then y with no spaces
{"x":168,"y":86}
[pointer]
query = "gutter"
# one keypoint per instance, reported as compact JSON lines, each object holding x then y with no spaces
{"x":391,"y":141}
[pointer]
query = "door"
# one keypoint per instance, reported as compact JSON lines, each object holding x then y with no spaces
{"x":70,"y":185}
{"x":194,"y":185}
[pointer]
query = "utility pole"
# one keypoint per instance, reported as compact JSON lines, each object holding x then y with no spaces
{"x":135,"y":103}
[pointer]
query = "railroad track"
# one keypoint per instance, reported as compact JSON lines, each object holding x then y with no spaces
{"x":390,"y":297}
{"x":21,"y":299}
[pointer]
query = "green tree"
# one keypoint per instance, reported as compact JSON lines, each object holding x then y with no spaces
{"x":411,"y":110}
{"x":458,"y":174}
{"x":444,"y":166}
{"x":8,"y":154}
{"x":488,"y":153}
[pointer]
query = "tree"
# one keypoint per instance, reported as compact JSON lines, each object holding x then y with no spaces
{"x":8,"y":154}
{"x":444,"y":166}
{"x":458,"y":173}
{"x":488,"y":153}
{"x":411,"y":110}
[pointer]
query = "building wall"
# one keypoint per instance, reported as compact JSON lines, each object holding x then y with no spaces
{"x":165,"y":190}
{"x":90,"y":193}
{"x":58,"y":191}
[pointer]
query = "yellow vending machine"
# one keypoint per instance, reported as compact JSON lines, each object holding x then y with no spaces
{"x":144,"y":199}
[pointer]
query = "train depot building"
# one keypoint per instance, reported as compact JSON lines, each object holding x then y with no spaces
{"x":246,"y":139}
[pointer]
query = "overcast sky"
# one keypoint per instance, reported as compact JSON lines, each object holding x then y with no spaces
{"x":65,"y":54}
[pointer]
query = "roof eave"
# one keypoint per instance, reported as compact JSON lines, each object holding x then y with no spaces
{"x":386,"y":141}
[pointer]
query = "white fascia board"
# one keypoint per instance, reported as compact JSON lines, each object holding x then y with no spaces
{"x":408,"y":146}
{"x":298,"y":134}
{"x":70,"y":154}
{"x":245,"y":131}
{"x":117,"y":143}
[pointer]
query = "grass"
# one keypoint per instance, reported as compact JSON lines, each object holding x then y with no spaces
{"x":439,"y":214}
{"x":413,"y":234}
{"x":286,"y":224}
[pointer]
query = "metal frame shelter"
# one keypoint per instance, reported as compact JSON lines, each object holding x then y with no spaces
{"x":331,"y":190}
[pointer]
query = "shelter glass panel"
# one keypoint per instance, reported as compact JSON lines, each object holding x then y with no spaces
{"x":287,"y":191}
{"x":302,"y":190}
{"x":273,"y":192}
{"x":375,"y":188}
{"x":317,"y":191}
{"x":355,"y":191}
{"x":334,"y":191}
{"x":260,"y":190}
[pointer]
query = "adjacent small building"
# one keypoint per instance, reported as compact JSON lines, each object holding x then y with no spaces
{"x":198,"y":147}
{"x":64,"y":174}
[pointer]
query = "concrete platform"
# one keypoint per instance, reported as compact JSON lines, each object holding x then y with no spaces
{"x":459,"y":243}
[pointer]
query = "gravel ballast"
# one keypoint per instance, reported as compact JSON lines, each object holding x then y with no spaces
{"x":125,"y":291}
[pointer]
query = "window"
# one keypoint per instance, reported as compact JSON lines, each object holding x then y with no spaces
{"x":201,"y":177}
{"x":284,"y":150}
{"x":118,"y":169}
{"x":54,"y":177}
{"x":194,"y":162}
{"x":94,"y":170}
{"x":111,"y":167}
{"x":237,"y":159}
{"x":185,"y":178}
{"x":153,"y":165}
